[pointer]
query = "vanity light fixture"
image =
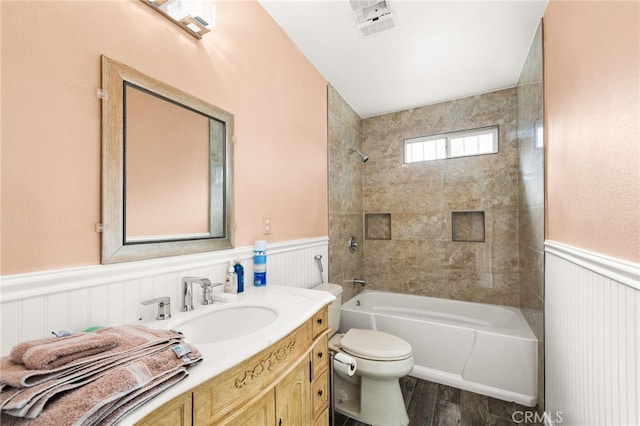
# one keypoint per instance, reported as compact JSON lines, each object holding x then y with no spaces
{"x":196,"y":17}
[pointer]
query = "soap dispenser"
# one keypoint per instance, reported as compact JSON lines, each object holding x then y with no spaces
{"x":230,"y":285}
{"x":239,"y":270}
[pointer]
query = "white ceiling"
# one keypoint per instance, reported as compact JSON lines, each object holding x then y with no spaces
{"x":441,"y":50}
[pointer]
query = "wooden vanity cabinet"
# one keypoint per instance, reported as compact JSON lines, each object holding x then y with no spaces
{"x":225,"y":396}
{"x":286,"y":384}
{"x":288,"y":403}
{"x":293,"y":405}
{"x":320,"y":377}
{"x":260,"y":413}
{"x":177,"y":412}
{"x":319,"y":367}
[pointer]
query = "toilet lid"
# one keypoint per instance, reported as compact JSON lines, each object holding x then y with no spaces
{"x":375,"y":345}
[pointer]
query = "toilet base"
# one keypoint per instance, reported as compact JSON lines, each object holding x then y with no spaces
{"x":376,"y":402}
{"x":346,"y":397}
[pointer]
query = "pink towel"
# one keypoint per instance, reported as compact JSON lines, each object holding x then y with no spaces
{"x":166,"y":369}
{"x":132,"y":338}
{"x":18,"y":350}
{"x":141,"y":397}
{"x":29,"y":402}
{"x":114,"y":393}
{"x":45,"y":354}
{"x":69,"y":409}
{"x":155,"y":347}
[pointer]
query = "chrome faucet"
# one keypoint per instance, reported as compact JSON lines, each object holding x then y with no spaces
{"x":164,"y":307}
{"x":187,"y":292}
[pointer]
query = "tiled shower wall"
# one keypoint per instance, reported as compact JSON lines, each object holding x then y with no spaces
{"x":531,"y":199}
{"x":420,"y":256}
{"x":418,"y":200}
{"x":345,"y":193}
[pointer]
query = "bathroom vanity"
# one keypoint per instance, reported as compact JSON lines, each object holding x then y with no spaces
{"x":284,"y":383}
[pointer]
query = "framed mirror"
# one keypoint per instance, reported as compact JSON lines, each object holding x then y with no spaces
{"x":167,"y":169}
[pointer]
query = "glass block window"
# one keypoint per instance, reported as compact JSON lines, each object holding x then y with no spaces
{"x":451,"y":145}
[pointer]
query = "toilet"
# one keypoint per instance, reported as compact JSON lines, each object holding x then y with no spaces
{"x":372,"y":395}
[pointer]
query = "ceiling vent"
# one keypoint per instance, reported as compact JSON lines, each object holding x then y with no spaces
{"x":373,"y":16}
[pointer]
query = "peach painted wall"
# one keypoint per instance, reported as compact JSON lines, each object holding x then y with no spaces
{"x":167,"y":182}
{"x":51,"y":119}
{"x":592,"y":116}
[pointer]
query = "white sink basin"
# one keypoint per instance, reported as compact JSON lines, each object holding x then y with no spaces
{"x":226,"y":323}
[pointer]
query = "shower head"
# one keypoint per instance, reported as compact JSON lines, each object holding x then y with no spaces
{"x":363,"y":157}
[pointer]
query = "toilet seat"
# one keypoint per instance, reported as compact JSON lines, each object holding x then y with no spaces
{"x":375,"y":345}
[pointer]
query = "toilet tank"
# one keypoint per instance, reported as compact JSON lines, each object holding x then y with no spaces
{"x":334,"y":307}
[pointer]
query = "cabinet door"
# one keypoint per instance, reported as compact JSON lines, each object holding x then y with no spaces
{"x":176,"y":412}
{"x":261,"y":413}
{"x":293,"y":402}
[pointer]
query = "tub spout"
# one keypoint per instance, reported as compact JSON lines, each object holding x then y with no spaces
{"x":356,"y":281}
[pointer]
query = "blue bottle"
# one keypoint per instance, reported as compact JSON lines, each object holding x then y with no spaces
{"x":260,"y":263}
{"x":239,"y":271}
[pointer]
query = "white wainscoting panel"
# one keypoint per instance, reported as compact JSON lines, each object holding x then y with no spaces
{"x":35,"y":304}
{"x":592,"y":335}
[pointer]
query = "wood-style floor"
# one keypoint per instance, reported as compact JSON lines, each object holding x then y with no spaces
{"x":432,"y":404}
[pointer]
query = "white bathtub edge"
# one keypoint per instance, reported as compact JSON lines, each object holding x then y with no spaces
{"x":457,"y":381}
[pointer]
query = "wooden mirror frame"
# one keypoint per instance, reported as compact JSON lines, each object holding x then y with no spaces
{"x":114,"y":247}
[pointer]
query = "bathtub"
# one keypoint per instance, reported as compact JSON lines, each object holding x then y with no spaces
{"x":486,"y":349}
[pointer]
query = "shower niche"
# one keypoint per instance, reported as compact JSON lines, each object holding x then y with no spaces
{"x":377,"y":226}
{"x":468,"y":226}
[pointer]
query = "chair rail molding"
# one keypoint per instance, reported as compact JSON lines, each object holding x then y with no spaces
{"x":622,"y":271}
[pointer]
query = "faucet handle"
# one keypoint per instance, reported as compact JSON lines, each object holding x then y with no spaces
{"x":207,"y":292}
{"x":164,"y":307}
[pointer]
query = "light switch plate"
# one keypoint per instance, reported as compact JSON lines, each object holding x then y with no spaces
{"x":266,"y":222}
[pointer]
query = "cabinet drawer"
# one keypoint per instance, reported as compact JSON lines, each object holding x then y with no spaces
{"x":320,"y":322}
{"x":320,"y":356}
{"x":234,"y":388}
{"x":320,"y":393}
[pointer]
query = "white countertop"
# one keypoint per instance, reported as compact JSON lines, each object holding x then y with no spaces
{"x":294,"y":306}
